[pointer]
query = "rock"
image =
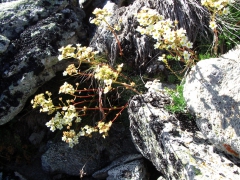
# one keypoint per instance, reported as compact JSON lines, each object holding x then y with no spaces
{"x":84,"y":3}
{"x":134,"y":170}
{"x":20,"y":177}
{"x":59,"y":158}
{"x":12,"y":175}
{"x":212,"y":92}
{"x":161,"y":178}
{"x":176,"y":147}
{"x":36,"y":30}
{"x":138,"y":49}
{"x":36,"y":138}
{"x":126,"y":163}
{"x":90,"y":155}
{"x":2,"y":1}
{"x":4,"y":42}
{"x":16,"y":16}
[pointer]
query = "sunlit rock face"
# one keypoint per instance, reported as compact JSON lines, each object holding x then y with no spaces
{"x":212,"y":92}
{"x":174,"y":144}
{"x":31,"y":33}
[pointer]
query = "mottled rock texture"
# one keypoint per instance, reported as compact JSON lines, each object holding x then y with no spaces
{"x":138,"y":49}
{"x":175,"y":146}
{"x":31,"y":33}
{"x":90,"y":155}
{"x":126,"y":167}
{"x":212,"y":92}
{"x":134,"y":170}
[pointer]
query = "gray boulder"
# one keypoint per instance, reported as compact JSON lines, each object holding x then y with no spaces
{"x":126,"y":167}
{"x":212,"y":92}
{"x":31,"y":33}
{"x":90,"y":155}
{"x":176,"y":147}
{"x":134,"y":170}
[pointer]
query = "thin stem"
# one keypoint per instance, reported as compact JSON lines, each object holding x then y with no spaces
{"x":115,"y":35}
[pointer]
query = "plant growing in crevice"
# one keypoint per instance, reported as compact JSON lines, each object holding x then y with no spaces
{"x":178,"y":103}
{"x":168,"y":37}
{"x":104,"y":80}
{"x":77,"y":102}
{"x":101,"y":16}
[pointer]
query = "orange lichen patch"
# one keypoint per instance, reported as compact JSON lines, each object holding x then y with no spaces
{"x":230,"y":150}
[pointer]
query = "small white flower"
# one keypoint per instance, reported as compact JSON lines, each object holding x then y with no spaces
{"x":64,"y":138}
{"x":107,"y":89}
{"x":153,"y":86}
{"x":186,"y":55}
{"x":160,"y":58}
{"x":52,"y":128}
{"x":117,"y":27}
{"x":108,"y":82}
{"x":64,"y":108}
{"x":61,"y":49}
{"x":231,"y":1}
{"x":60,"y":57}
{"x":72,"y":108}
{"x":189,"y":45}
{"x":156,"y":45}
{"x":65,"y":73}
{"x":226,"y":11}
{"x":184,"y":40}
{"x":212,"y":25}
{"x":66,"y":89}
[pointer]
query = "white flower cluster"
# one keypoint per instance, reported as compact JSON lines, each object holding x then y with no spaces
{"x":70,"y":70}
{"x":104,"y":128}
{"x":101,"y":15}
{"x":107,"y":75}
{"x":64,"y":118}
{"x":80,"y":53}
{"x":46,"y":104}
{"x":163,"y":31}
{"x":217,"y":7}
{"x":153,"y":86}
{"x":67,"y":52}
{"x":70,"y":137}
{"x":87,"y":131}
{"x":67,"y":89}
{"x":101,"y":127}
{"x":220,"y":5}
{"x":85,"y":53}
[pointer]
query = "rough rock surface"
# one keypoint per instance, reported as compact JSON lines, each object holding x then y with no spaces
{"x":126,"y":167}
{"x":133,"y":170}
{"x":176,"y":147}
{"x":90,"y":155}
{"x":139,"y":49}
{"x":31,"y":33}
{"x":212,"y":92}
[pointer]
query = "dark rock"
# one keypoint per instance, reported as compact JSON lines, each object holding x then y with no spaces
{"x":90,"y":155}
{"x":126,"y":167}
